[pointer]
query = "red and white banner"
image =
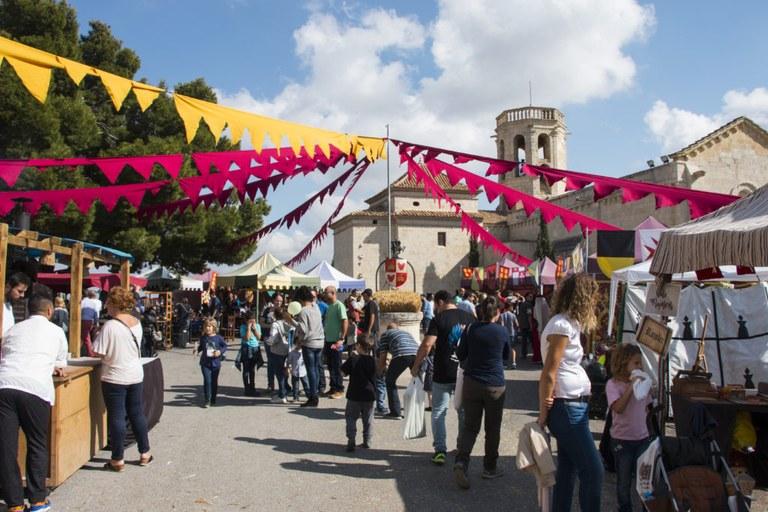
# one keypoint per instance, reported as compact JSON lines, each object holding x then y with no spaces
{"x":396,"y":272}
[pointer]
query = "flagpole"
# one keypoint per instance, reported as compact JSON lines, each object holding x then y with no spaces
{"x":586,"y":259}
{"x":389,"y":203}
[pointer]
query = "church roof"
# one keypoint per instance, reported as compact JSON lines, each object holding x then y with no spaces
{"x":407,"y":184}
{"x":406,"y":214}
{"x":742,"y":121}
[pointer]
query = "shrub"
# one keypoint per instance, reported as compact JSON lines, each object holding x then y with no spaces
{"x":394,"y":301}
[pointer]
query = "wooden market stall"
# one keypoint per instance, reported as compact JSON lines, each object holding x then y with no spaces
{"x":78,"y":427}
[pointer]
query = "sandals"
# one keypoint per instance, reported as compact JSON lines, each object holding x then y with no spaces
{"x":146,"y":462}
{"x":117,"y":468}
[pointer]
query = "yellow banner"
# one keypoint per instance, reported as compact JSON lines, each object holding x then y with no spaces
{"x":33,"y":67}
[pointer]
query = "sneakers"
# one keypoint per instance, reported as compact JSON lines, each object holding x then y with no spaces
{"x":43,"y":506}
{"x":513,"y":366}
{"x":382,"y":412}
{"x":17,"y":508}
{"x":490,"y":474}
{"x":460,"y":475}
{"x":335,"y":395}
{"x":277,"y":400}
{"x":393,"y":416}
{"x":439,"y":458}
{"x":350,"y":446}
{"x":365,"y":445}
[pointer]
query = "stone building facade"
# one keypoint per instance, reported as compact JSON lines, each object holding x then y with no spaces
{"x":732,"y":159}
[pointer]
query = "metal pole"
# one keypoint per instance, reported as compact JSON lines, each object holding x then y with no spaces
{"x":586,"y":256}
{"x":389,"y":204}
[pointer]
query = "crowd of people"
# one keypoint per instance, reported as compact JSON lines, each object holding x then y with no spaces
{"x":468,"y":340}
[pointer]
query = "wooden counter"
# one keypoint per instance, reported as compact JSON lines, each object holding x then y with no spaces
{"x":78,"y":429}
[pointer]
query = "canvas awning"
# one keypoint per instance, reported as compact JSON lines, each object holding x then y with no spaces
{"x":285,"y":277}
{"x":736,"y":234}
{"x":246,"y":276}
{"x":641,"y":273}
{"x":162,"y":278}
{"x":331,"y":276}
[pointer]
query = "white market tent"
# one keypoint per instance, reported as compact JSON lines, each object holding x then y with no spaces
{"x":266,"y":273}
{"x":641,"y":273}
{"x":331,"y":276}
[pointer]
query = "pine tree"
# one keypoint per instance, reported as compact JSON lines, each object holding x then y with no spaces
{"x":81,"y":121}
{"x":543,"y":245}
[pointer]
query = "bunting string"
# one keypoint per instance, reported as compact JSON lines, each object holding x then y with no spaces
{"x":295,"y":215}
{"x":316,"y":240}
{"x":699,"y":202}
{"x":512,"y":196}
{"x":34,"y":68}
{"x":468,"y":224}
{"x":283,"y":160}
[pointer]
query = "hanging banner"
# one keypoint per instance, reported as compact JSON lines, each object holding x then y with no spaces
{"x":490,"y":277}
{"x":212,"y":284}
{"x":396,"y":272}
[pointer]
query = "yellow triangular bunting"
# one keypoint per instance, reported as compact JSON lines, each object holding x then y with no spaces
{"x":75,"y":70}
{"x":145,"y":95}
{"x":35,"y":78}
{"x":117,"y":87}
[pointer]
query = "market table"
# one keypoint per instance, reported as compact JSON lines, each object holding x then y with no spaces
{"x":78,"y":429}
{"x":723,"y":411}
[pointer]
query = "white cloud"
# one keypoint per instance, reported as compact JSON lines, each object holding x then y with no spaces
{"x":674,"y":128}
{"x":443,"y":83}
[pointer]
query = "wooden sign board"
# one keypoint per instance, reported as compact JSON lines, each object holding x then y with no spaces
{"x":654,"y":335}
{"x":662,"y":302}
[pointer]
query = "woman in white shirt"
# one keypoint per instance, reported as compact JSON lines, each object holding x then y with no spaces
{"x":564,"y":390}
{"x":122,"y":376}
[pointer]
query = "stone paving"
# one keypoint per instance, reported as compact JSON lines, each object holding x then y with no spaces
{"x":248,"y":454}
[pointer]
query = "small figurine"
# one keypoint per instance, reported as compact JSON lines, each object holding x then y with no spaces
{"x":748,"y":384}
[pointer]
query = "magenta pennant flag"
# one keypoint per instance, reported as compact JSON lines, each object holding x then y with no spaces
{"x":171,"y":163}
{"x":192,"y":186}
{"x":109,"y":199}
{"x":572,"y":183}
{"x":603,"y":190}
{"x":10,"y":170}
{"x":552,"y":179}
{"x":203,"y":162}
{"x":461,"y":159}
{"x":629,"y":194}
{"x":142,"y":165}
{"x":491,"y":192}
{"x":110,"y":167}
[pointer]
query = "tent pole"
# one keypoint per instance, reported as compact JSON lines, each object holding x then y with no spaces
{"x":389,"y":203}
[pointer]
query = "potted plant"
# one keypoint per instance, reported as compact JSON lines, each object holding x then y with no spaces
{"x":401,"y":307}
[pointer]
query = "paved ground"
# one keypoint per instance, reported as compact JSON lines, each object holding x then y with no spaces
{"x":248,"y":454}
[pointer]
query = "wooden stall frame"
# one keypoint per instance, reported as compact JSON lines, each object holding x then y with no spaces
{"x":78,"y":257}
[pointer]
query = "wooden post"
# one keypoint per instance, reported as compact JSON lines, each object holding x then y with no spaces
{"x":75,"y":297}
{"x":125,"y":274}
{"x":3,"y":267}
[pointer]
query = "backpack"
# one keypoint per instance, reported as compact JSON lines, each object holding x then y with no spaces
{"x":279,"y":343}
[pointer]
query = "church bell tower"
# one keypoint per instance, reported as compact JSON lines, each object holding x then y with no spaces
{"x":536,"y":135}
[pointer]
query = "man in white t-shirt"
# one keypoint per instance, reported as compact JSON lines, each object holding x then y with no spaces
{"x":90,"y":309}
{"x":32,"y":351}
{"x":15,"y":288}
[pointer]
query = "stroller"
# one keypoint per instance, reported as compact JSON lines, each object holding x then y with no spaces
{"x":687,"y":473}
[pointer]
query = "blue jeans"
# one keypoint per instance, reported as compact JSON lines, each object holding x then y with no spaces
{"x":333,"y":357}
{"x":278,"y":363}
{"x":625,"y":454}
{"x":210,"y":383}
{"x":122,"y":401}
{"x":304,"y":384}
{"x":312,"y":362}
{"x":569,"y":424}
{"x":441,"y":401}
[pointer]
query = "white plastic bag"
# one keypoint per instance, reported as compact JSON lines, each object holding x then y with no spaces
{"x":458,"y":389}
{"x":414,"y":425}
{"x":647,"y":469}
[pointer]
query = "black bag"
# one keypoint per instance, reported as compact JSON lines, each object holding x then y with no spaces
{"x":259,"y":359}
{"x":606,"y":453}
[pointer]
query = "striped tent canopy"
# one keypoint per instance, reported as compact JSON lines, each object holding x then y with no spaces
{"x":736,"y":234}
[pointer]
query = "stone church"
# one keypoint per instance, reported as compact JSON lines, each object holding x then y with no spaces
{"x":732,"y":159}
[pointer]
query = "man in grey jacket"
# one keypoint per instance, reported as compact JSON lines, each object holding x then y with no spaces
{"x":311,"y":336}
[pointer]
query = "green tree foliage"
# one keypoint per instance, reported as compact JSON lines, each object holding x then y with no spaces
{"x":82,"y":121}
{"x":543,"y":245}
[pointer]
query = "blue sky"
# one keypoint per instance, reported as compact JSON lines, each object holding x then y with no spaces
{"x":635,"y":80}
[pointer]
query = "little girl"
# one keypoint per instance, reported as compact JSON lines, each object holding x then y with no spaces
{"x":298,"y":372}
{"x":629,"y":432}
{"x":279,"y":341}
{"x":211,"y":349}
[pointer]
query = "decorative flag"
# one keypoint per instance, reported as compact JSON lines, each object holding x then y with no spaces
{"x":396,"y":272}
{"x":212,"y":284}
{"x":577,"y":259}
{"x":490,"y":277}
{"x":709,"y":273}
{"x":615,"y":250}
{"x":742,"y":271}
